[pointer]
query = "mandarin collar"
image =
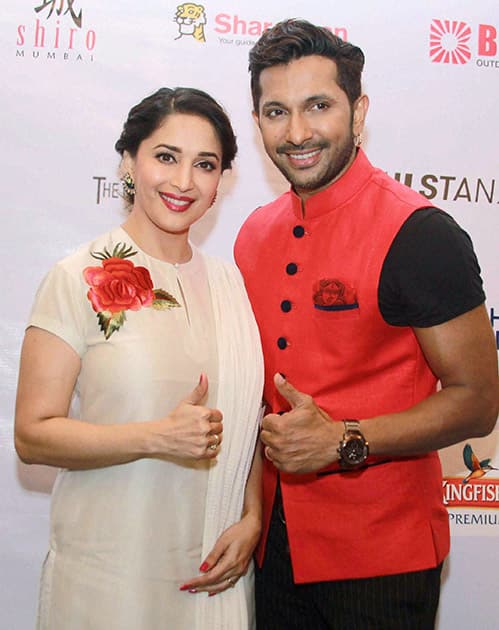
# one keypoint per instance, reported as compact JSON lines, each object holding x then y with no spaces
{"x":337,"y":193}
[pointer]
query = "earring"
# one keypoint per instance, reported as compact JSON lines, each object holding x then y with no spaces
{"x":128,"y":185}
{"x":357,"y":140}
{"x":214,"y":198}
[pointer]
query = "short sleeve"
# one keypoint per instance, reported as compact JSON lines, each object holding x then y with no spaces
{"x":430,"y":274}
{"x":58,"y":307}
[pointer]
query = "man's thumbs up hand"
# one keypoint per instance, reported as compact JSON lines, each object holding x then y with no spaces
{"x":303,"y":439}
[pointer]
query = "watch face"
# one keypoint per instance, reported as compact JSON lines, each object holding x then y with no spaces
{"x":354,"y":451}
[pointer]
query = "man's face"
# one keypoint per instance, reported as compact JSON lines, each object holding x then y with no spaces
{"x":307,"y":123}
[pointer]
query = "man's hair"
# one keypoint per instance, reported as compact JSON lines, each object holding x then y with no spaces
{"x":292,"y":39}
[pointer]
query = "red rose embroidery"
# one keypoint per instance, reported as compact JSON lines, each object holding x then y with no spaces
{"x":118,"y":286}
{"x":330,"y":292}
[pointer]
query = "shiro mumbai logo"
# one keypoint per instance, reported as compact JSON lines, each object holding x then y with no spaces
{"x":55,"y":32}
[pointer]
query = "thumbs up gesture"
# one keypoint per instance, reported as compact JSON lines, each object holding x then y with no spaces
{"x":190,"y":430}
{"x":303,"y":439}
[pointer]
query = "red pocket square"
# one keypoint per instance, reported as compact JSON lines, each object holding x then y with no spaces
{"x":330,"y":293}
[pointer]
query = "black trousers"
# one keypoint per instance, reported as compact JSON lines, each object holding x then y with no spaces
{"x":406,"y":601}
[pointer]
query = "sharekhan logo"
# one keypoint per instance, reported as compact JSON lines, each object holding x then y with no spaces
{"x":191,"y":19}
{"x":223,"y":28}
{"x":457,"y":43}
{"x":449,"y":41}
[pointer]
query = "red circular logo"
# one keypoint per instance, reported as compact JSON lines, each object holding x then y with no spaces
{"x":449,"y":42}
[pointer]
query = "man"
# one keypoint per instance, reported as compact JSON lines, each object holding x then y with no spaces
{"x":365,"y":299}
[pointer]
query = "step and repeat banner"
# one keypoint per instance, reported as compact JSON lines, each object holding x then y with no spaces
{"x":71,"y":71}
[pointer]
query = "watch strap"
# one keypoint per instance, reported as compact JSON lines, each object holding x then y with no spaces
{"x":352,"y":425}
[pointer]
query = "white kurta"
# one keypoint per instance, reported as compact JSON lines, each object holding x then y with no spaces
{"x":124,"y":538}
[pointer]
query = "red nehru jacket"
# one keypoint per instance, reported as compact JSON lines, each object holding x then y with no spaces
{"x":313,"y":283}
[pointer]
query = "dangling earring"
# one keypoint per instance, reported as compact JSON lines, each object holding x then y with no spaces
{"x":128,"y":185}
{"x":357,"y":140}
{"x":214,"y":198}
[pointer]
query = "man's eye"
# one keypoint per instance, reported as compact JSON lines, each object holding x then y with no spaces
{"x":274,"y":113}
{"x":321,"y":106}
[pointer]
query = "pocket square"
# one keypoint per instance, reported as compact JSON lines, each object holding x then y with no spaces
{"x":331,"y":294}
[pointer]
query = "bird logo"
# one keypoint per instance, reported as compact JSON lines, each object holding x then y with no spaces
{"x":476,"y":467}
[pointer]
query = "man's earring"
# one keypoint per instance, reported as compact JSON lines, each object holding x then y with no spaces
{"x":128,"y":185}
{"x":357,"y":140}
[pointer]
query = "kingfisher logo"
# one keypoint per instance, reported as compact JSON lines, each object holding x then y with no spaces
{"x":454,"y":42}
{"x":478,"y":468}
{"x":449,"y":42}
{"x":472,"y":490}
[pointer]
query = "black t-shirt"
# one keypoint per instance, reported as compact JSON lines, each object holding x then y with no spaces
{"x":430,"y":274}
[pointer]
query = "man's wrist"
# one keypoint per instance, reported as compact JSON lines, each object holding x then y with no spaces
{"x":353,"y":448}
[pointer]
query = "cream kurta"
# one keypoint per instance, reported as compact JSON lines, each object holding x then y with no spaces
{"x":124,"y":538}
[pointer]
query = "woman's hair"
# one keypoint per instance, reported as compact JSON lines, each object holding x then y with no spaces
{"x":145,"y":117}
{"x":292,"y":39}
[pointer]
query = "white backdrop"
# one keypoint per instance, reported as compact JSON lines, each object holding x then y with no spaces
{"x":72,"y":69}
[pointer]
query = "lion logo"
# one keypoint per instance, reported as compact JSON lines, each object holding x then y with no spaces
{"x":191,"y":19}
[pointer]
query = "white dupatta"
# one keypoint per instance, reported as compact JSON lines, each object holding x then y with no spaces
{"x":239,"y":398}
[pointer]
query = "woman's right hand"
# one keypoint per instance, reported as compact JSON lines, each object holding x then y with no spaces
{"x":44,"y":434}
{"x":191,"y":430}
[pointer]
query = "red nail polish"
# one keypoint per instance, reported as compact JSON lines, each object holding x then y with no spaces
{"x":211,"y":594}
{"x":185,"y":587}
{"x":192,"y":590}
{"x":204,"y":567}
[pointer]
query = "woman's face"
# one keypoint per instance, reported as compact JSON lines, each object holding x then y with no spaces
{"x":176,"y":172}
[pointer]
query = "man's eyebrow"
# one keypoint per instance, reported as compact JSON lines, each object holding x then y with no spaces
{"x":319,"y":97}
{"x":315,"y":98}
{"x":273,"y":104}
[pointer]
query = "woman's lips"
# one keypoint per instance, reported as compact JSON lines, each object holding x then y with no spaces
{"x":176,"y":203}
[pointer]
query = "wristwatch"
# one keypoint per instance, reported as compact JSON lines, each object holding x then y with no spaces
{"x":353,"y":449}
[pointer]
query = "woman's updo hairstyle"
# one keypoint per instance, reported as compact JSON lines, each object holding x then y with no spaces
{"x":145,"y":117}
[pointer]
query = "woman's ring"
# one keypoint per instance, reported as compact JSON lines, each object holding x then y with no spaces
{"x":214,"y":446}
{"x":232,"y":581}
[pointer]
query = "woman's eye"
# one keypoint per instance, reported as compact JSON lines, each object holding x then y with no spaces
{"x":206,"y":166}
{"x":165,"y":157}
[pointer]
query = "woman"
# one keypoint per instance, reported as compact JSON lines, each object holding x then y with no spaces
{"x":157,"y":505}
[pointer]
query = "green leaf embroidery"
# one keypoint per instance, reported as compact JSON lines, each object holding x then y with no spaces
{"x":163,"y":300}
{"x":121,"y":250}
{"x":109,"y":322}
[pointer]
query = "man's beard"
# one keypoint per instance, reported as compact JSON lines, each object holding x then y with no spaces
{"x":321,"y":179}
